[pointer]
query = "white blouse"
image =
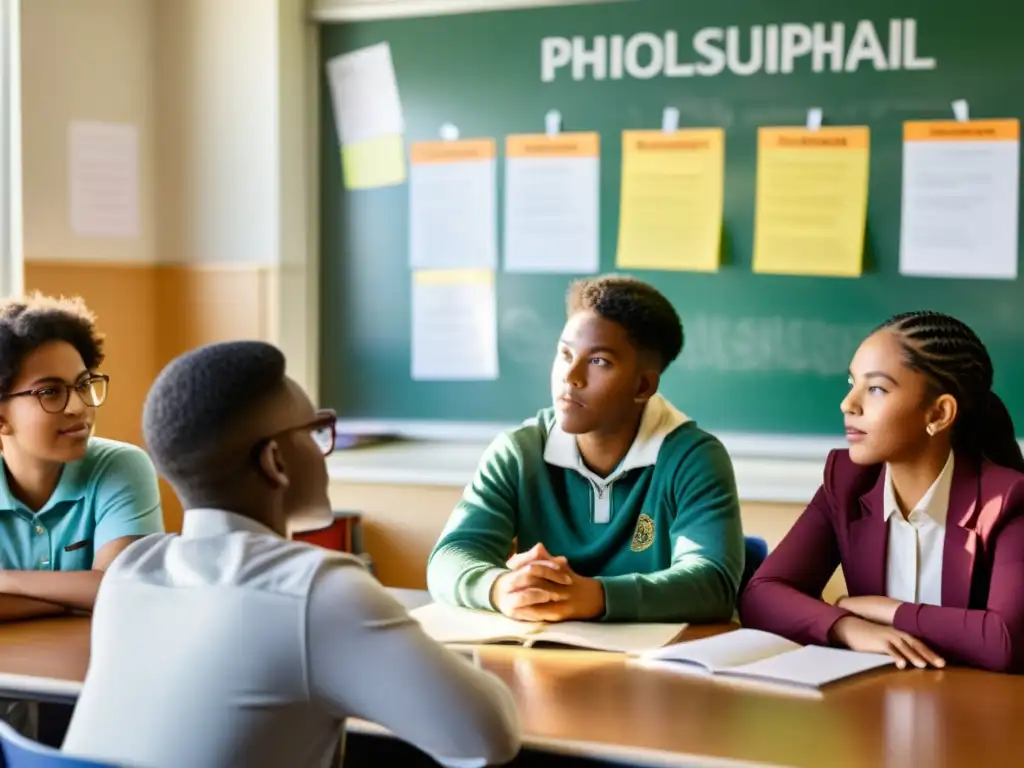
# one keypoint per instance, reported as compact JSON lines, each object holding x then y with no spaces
{"x":914,"y":553}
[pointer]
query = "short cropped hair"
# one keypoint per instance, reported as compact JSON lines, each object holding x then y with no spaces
{"x":650,"y":321}
{"x":198,"y":400}
{"x":29,"y":322}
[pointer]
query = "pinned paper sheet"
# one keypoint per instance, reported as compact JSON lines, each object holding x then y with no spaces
{"x":454,"y":325}
{"x":374,"y":163}
{"x":368,"y":116}
{"x":672,"y":198}
{"x":961,"y":183}
{"x":814,"y":116}
{"x":103,"y":179}
{"x":552,"y":201}
{"x":812,"y":199}
{"x":453,"y":218}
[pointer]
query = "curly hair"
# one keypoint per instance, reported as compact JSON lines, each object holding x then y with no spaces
{"x":29,"y":322}
{"x":955,"y":362}
{"x":650,"y":321}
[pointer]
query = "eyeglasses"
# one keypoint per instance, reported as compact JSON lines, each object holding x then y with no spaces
{"x":54,"y":398}
{"x":322,"y":429}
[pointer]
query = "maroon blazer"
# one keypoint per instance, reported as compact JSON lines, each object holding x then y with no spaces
{"x":981,"y":619}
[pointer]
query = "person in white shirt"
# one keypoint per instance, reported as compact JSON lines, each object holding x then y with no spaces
{"x":229,"y":645}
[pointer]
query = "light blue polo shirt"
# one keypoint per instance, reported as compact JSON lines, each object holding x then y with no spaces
{"x":110,"y":492}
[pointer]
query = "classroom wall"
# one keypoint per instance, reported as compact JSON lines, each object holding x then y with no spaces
{"x":219,"y":93}
{"x":92,"y":60}
{"x":228,"y":213}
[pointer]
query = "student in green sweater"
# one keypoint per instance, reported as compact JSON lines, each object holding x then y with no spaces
{"x":619,"y":506}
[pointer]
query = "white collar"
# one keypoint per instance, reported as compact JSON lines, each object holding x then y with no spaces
{"x":934,"y":503}
{"x":203,"y":522}
{"x":660,"y":419}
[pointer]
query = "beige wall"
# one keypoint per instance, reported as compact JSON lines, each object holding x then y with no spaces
{"x":222,"y":99}
{"x":83,"y":60}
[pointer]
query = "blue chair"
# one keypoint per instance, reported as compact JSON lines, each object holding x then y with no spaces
{"x":756,"y":550}
{"x":17,"y":751}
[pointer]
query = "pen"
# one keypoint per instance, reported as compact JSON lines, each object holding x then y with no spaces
{"x":76,"y":545}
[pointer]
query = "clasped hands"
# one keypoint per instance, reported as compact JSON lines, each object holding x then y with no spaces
{"x":870,"y":630}
{"x":542,"y":587}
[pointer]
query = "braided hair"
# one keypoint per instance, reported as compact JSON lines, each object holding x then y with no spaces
{"x":955,"y":362}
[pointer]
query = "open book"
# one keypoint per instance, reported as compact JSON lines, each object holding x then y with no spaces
{"x":763,"y":657}
{"x":451,"y":625}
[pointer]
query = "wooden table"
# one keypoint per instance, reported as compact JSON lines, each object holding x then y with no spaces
{"x":592,"y":704}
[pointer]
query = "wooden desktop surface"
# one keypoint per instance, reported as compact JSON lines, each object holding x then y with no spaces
{"x":591,"y":703}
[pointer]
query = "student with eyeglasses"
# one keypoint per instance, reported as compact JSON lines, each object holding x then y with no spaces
{"x":69,"y":502}
{"x":255,"y":647}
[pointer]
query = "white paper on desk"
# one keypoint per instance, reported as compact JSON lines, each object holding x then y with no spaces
{"x":812,"y":666}
{"x":960,"y":203}
{"x":552,"y":208}
{"x":103,"y":179}
{"x":454,"y":325}
{"x":453,"y":218}
{"x":364,"y":93}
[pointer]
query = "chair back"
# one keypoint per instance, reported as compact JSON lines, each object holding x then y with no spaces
{"x":756,"y":550}
{"x":17,"y":751}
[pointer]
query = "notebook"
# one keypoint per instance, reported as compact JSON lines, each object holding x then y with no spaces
{"x":763,"y":657}
{"x":462,"y":626}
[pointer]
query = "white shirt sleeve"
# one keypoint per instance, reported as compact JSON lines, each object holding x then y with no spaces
{"x":368,"y":659}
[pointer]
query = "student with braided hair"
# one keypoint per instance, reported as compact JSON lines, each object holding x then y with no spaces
{"x":924,"y":511}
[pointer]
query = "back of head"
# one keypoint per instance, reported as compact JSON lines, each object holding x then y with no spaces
{"x":956,"y":362}
{"x":649,"y":319}
{"x":199,"y":417}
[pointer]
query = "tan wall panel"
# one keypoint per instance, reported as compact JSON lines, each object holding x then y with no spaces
{"x":198,"y":305}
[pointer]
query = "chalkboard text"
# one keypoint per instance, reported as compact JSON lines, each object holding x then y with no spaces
{"x":772,"y":49}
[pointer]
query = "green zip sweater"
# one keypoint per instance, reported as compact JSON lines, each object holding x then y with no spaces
{"x":662,"y":533}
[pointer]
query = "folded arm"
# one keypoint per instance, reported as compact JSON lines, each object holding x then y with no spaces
{"x":127,"y":500}
{"x":784,"y":595}
{"x":369,"y":659}
{"x":479,"y":536}
{"x":62,"y":590}
{"x":707,"y":551}
{"x":14,"y":608}
{"x":991,"y":638}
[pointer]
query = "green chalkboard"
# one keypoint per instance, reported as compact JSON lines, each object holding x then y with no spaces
{"x":764,"y":354}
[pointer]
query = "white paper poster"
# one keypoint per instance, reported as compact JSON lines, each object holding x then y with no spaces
{"x":453,"y":218}
{"x":364,"y":92}
{"x":454,"y":325}
{"x":552,"y":203}
{"x":103,"y":179}
{"x":960,"y":199}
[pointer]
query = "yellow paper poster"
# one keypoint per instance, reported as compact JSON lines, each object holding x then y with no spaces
{"x":671,"y":206}
{"x":374,"y":163}
{"x":812,"y":199}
